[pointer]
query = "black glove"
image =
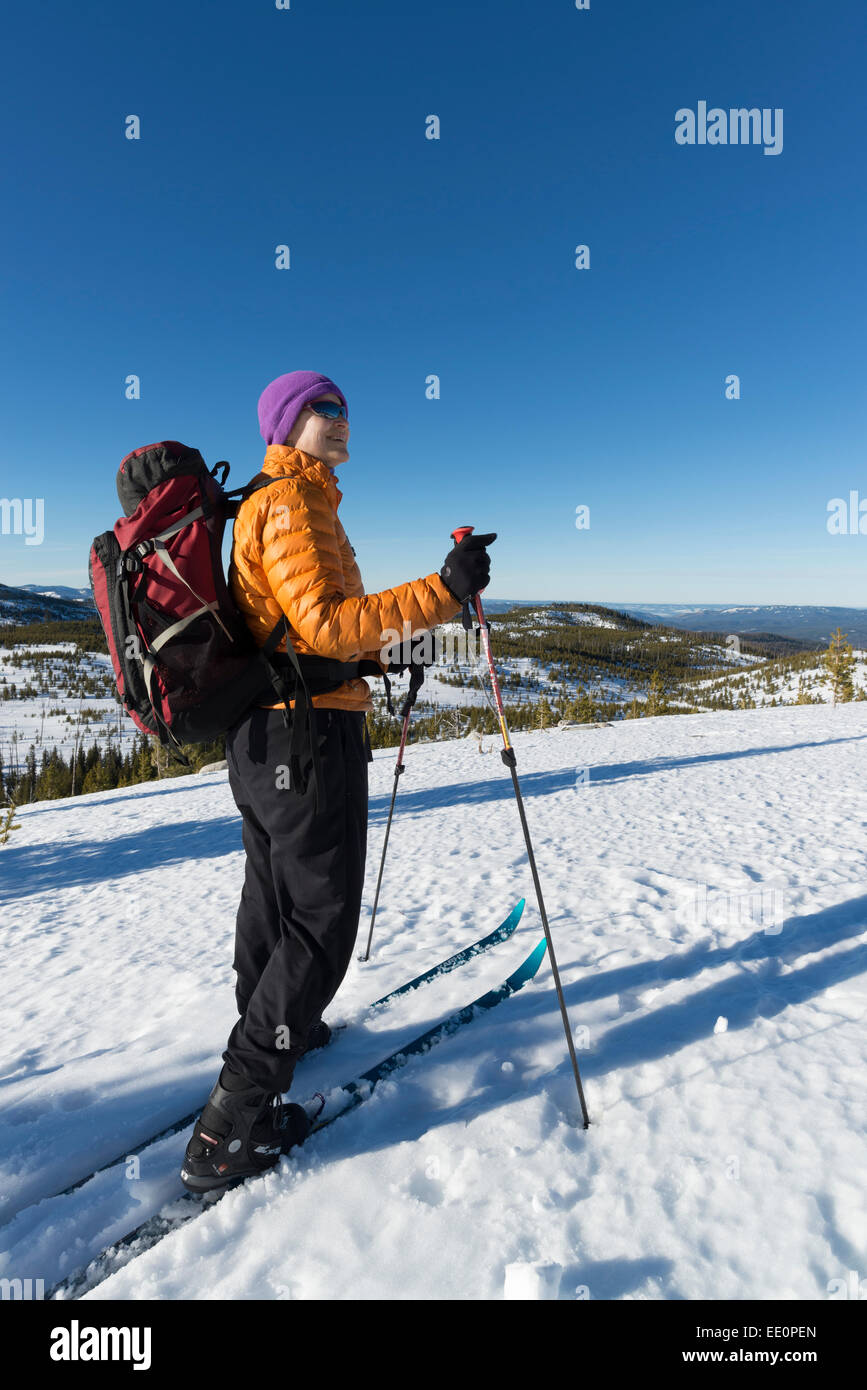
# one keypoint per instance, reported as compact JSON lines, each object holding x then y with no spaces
{"x":420,"y":650}
{"x":468,"y":567}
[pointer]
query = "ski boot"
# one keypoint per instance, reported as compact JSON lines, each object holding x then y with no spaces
{"x":240,"y":1132}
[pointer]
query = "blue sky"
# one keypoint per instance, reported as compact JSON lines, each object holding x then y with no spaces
{"x":410,"y":257}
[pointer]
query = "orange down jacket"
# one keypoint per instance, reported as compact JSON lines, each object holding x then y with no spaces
{"x":290,"y":555}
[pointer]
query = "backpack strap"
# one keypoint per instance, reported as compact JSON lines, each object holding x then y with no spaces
{"x":157,"y":546}
{"x":416,"y":676}
{"x":302,"y":726}
{"x":166,"y":735}
{"x":238,"y":495}
{"x":298,"y":720}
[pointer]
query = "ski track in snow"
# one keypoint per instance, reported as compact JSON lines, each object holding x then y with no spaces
{"x":695,"y":869}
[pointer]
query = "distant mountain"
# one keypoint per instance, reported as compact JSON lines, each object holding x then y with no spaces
{"x":802,"y":624}
{"x":504,"y":605}
{"x":31,"y":604}
{"x":59,"y":591}
{"x":805,"y":622}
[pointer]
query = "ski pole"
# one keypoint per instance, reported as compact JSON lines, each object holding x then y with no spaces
{"x":415,"y":680}
{"x":507,"y":753}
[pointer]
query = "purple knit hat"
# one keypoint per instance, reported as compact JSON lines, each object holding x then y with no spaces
{"x":283,"y":399}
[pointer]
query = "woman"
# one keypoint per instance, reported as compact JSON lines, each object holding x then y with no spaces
{"x":305,"y":853}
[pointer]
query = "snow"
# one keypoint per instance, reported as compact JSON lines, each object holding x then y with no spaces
{"x":532,"y":1281}
{"x":549,"y":620}
{"x":704,"y":877}
{"x":56,"y":717}
{"x":775,"y":682}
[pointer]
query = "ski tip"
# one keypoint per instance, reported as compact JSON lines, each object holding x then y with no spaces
{"x":539,"y":953}
{"x":507,"y":927}
{"x":528,"y":969}
{"x":514,"y":917}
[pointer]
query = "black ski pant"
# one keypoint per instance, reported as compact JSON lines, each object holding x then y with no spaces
{"x":298,"y":917}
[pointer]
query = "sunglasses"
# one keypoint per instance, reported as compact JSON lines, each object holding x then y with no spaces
{"x":331,"y":410}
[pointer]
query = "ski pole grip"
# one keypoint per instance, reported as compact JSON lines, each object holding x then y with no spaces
{"x":473,"y":600}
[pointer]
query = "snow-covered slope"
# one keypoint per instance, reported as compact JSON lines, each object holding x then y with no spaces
{"x":777,"y":682}
{"x":706,"y":881}
{"x":72,"y":701}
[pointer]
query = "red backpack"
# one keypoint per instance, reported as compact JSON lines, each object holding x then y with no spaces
{"x":185,"y":663}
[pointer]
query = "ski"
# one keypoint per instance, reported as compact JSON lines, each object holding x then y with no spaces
{"x":485,"y":943}
{"x":352,"y":1093}
{"x":500,"y":933}
{"x":338,"y":1102}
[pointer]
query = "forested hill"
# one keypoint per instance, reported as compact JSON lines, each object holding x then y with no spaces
{"x":554,"y":631}
{"x":30,"y":605}
{"x":62,"y":730}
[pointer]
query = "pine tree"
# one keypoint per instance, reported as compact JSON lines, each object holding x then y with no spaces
{"x":98,"y":778}
{"x":655,"y":702}
{"x":544,"y":712}
{"x":54,"y":779}
{"x":804,"y":696}
{"x":78,"y":768}
{"x":583,"y":709}
{"x":143,"y":768}
{"x":30,"y":772}
{"x":8,"y":822}
{"x":840,"y":664}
